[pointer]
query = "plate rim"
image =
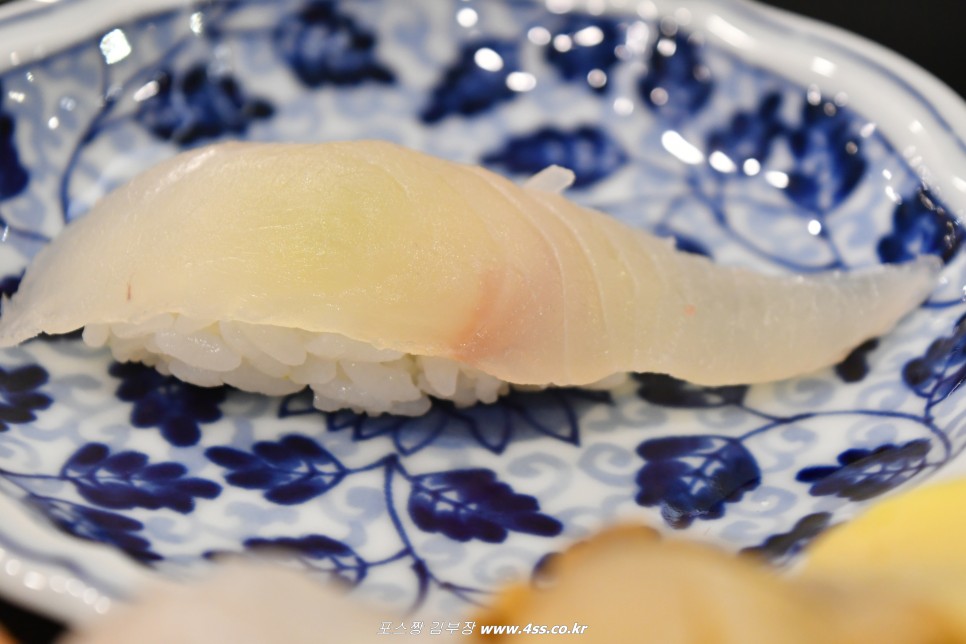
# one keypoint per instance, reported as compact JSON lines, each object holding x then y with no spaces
{"x":86,"y":17}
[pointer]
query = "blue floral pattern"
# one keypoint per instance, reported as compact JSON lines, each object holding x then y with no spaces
{"x":463,"y":504}
{"x":829,"y":164}
{"x":692,"y":477}
{"x":671,"y":132}
{"x":671,"y":392}
{"x":126,"y":480}
{"x":13,"y":176}
{"x":855,"y":366}
{"x":292,"y":470}
{"x":920,"y":225}
{"x":678,"y":82}
{"x":318,"y":552}
{"x":750,"y":135}
{"x":20,"y":395}
{"x":111,"y":481}
{"x":469,"y":87}
{"x":589,"y":151}
{"x":862,"y":474}
{"x":473,"y":504}
{"x":551,"y":413}
{"x":323,"y":45}
{"x":585,"y":45}
{"x":941,"y":369}
{"x":99,"y":526}
{"x":197,"y":105}
{"x":176,"y":408}
{"x":782,"y":548}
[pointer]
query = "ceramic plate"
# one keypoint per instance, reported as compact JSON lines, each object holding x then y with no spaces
{"x":746,"y":135}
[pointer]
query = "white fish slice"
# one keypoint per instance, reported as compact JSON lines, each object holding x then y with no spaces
{"x":421,"y":256}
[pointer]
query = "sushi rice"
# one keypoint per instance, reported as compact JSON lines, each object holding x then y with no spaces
{"x":342,"y":372}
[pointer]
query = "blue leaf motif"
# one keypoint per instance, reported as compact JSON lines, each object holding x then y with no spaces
{"x":750,"y":136}
{"x":178,"y":409}
{"x":589,"y":151}
{"x":828,"y":158}
{"x":855,"y":366}
{"x":10,"y":284}
{"x":781,"y":548}
{"x":593,"y":43}
{"x":126,"y":480}
{"x":199,"y":105}
{"x":13,"y":175}
{"x":661,"y":389}
{"x":292,"y":470}
{"x":552,"y":412}
{"x":693,"y":477}
{"x":100,"y":526}
{"x":920,"y":225}
{"x":476,"y":82}
{"x":473,"y":504}
{"x":330,"y":555}
{"x":322,"y":46}
{"x":677,"y":83}
{"x":862,"y":474}
{"x":941,"y":369}
{"x":20,"y":395}
{"x":408,"y":434}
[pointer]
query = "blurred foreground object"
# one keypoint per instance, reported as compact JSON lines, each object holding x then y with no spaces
{"x":242,"y":603}
{"x":628,"y":585}
{"x":917,"y":539}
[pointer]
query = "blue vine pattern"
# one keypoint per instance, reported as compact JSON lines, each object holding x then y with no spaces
{"x":462,"y":504}
{"x":98,"y":526}
{"x":551,"y":413}
{"x":322,"y":45}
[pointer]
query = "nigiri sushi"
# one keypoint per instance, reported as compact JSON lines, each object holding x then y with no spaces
{"x":380,"y":276}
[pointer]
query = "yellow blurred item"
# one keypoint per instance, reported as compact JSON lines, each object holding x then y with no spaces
{"x":628,"y":585}
{"x":916,"y":539}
